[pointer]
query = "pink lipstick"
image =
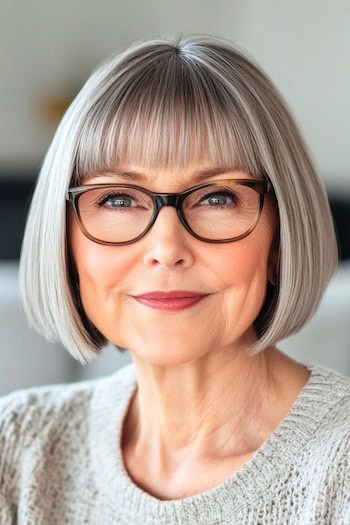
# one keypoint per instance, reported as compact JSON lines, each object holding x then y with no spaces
{"x":170,"y":301}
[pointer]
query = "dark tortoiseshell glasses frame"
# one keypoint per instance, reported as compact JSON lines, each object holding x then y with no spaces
{"x":261,"y":186}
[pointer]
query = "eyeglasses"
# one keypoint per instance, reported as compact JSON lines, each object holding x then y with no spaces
{"x":217,"y":212}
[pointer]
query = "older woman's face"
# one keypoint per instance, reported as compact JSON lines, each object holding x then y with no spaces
{"x":233,"y":276}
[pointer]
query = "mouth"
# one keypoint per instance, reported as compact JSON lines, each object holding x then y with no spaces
{"x":170,"y":301}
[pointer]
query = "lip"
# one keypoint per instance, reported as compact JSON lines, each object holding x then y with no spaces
{"x":172,"y":294}
{"x":170,"y":301}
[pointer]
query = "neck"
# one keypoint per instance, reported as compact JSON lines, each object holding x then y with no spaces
{"x":212,"y":409}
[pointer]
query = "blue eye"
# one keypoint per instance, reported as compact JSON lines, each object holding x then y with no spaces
{"x":116,"y":200}
{"x":219,"y":198}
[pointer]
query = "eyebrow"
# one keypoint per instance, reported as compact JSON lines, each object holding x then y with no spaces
{"x":197,"y":176}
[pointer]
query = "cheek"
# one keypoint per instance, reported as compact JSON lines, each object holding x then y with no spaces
{"x":245,"y":262}
{"x":242,"y":268}
{"x":103,"y":271}
{"x":94,"y":264}
{"x":100,"y":268}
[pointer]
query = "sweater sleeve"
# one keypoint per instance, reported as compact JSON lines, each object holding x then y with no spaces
{"x":11,"y":411}
{"x":22,"y":419}
{"x":340,"y":490}
{"x":29,"y":419}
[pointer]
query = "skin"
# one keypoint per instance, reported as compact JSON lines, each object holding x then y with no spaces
{"x":202,"y":405}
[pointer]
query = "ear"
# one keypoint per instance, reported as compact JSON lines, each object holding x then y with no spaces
{"x":273,"y":261}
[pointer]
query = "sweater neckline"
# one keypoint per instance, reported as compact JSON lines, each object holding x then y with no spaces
{"x":108,"y":408}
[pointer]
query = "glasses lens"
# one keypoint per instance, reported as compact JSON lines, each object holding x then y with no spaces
{"x":222,"y":212}
{"x":115,"y":214}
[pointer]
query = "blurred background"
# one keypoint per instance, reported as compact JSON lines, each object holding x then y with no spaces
{"x":47,"y":51}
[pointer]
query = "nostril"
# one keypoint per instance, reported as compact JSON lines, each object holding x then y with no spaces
{"x":167,"y":264}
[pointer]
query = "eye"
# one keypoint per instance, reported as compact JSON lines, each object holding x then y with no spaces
{"x":116,"y":200}
{"x":219,"y":198}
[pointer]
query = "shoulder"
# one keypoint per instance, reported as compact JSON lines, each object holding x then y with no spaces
{"x":329,"y":447}
{"x":331,"y":451}
{"x":36,"y":406}
{"x":32,"y":417}
{"x":27,"y":416}
{"x":321,"y":416}
{"x":332,"y":390}
{"x":23,"y":412}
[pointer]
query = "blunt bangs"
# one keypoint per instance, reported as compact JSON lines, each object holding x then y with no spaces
{"x":165,"y":112}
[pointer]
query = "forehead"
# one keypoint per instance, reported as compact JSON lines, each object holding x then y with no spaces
{"x":190,"y":175}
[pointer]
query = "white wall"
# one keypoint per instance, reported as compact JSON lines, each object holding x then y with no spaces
{"x":49,"y":48}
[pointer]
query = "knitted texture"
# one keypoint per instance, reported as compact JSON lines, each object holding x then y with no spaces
{"x":61,"y":461}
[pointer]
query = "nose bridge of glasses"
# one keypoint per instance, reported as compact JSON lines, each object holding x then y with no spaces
{"x":173,"y":200}
{"x":167,"y":199}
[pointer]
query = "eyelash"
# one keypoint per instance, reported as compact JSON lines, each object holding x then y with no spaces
{"x":105,"y":198}
{"x":221,"y":193}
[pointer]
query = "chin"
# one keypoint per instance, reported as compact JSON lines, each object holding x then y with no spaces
{"x":167,"y":354}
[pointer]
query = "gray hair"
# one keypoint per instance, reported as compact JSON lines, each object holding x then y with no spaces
{"x":158,"y":103}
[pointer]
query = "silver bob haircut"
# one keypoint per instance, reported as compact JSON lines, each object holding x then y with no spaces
{"x":156,"y":104}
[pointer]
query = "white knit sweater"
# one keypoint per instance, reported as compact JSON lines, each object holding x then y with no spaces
{"x":61,"y":463}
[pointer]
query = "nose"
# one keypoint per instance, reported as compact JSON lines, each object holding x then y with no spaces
{"x":168,"y":244}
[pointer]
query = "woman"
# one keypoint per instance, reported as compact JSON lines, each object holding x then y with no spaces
{"x":178,"y":215}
